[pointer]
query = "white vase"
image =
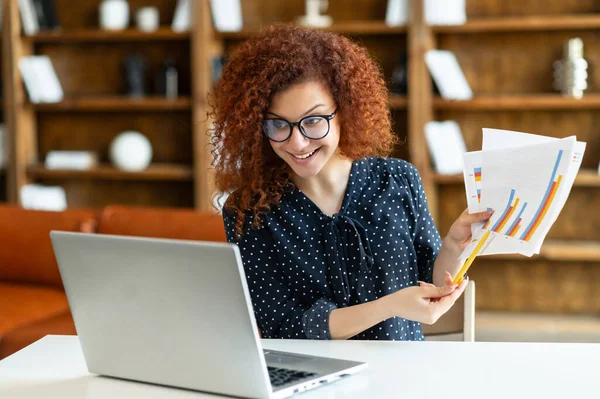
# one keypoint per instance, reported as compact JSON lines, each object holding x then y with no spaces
{"x":131,"y":151}
{"x":114,"y":14}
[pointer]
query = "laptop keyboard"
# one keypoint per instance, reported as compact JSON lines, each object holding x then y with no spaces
{"x":281,"y":377}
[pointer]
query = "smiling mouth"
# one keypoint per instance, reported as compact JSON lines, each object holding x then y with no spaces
{"x":306,"y":156}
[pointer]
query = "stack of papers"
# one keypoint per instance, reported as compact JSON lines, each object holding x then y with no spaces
{"x":526,"y":179}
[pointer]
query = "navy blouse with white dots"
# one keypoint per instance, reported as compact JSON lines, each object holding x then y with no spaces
{"x":302,"y":264}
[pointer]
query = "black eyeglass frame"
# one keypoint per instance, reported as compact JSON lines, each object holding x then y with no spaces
{"x":328,"y":118}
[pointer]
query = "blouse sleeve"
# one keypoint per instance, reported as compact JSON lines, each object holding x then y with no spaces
{"x":426,"y":237}
{"x":278,"y":313}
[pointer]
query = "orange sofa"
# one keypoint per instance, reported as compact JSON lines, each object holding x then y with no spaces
{"x":32,"y":299}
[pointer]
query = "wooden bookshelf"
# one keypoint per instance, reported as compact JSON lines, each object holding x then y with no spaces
{"x":117,"y":104}
{"x":398,"y":102}
{"x":523,"y":23}
{"x":520,"y":102}
{"x":97,"y":35}
{"x":107,"y":172}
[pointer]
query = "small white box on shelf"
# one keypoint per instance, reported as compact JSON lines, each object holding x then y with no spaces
{"x":227,"y":15}
{"x":40,"y":79}
{"x":77,"y":160}
{"x":182,"y":19}
{"x":445,"y":12}
{"x":44,"y":198}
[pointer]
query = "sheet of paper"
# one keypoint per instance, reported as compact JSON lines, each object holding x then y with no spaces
{"x":526,"y":179}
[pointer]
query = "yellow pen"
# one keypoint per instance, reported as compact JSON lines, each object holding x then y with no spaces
{"x":459,"y":276}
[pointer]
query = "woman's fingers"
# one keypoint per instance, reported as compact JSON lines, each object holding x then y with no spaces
{"x":467,"y":219}
{"x":431,"y":291}
{"x":448,"y":278}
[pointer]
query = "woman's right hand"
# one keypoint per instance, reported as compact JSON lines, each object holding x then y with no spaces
{"x":425,"y":303}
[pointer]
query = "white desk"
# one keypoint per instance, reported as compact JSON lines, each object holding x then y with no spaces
{"x":54,"y":368}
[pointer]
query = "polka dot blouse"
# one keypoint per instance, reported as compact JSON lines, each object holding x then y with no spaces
{"x":302,"y":264}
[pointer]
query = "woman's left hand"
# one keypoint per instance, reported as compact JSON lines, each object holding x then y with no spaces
{"x":460,"y":231}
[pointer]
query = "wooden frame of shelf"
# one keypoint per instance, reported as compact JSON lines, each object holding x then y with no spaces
{"x":107,"y":172}
{"x":519,"y":102}
{"x":117,"y":104}
{"x":98,"y":35}
{"x":585,"y":178}
{"x":516,"y":24}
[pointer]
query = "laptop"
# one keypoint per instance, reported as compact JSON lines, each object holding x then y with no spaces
{"x":177,"y":313}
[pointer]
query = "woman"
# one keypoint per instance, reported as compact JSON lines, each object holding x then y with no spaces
{"x":336,"y":240}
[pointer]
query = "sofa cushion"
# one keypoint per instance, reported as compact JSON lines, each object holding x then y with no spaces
{"x":61,"y":324}
{"x":26,"y":253}
{"x":162,"y":223}
{"x":21,"y":305}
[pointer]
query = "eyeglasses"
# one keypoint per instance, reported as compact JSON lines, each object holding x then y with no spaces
{"x":314,"y":127}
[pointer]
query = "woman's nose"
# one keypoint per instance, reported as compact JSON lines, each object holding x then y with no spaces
{"x":297,"y":140}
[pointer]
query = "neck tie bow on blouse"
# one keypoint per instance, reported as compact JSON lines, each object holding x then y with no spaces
{"x":350,"y":260}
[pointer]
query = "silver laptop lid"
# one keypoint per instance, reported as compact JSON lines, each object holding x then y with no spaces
{"x":163,"y":311}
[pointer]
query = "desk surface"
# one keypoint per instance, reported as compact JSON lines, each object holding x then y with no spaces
{"x":54,"y":368}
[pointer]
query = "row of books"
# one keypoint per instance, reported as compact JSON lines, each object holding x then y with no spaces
{"x":38,"y":15}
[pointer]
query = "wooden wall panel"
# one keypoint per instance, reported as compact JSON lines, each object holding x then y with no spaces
{"x":585,"y":124}
{"x":536,"y":286}
{"x":92,"y":69}
{"x":502,"y":63}
{"x":168,"y":132}
{"x":498,"y":8}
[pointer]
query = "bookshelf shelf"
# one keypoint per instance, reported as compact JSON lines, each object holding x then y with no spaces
{"x":562,"y":251}
{"x":585,"y":178}
{"x":530,"y":23}
{"x":520,"y":103}
{"x":155,"y":172}
{"x":355,"y":28}
{"x":98,"y":35}
{"x":398,"y":102}
{"x":117,"y":104}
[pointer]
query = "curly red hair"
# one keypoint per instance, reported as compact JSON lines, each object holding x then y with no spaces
{"x":280,"y":56}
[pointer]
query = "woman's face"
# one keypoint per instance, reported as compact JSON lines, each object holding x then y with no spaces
{"x":305,"y":156}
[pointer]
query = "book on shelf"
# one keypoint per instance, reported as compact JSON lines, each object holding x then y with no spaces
{"x":71,"y":160}
{"x":446,"y":146}
{"x":182,"y":17}
{"x":38,"y":14}
{"x":447,"y":75}
{"x":226,"y":15}
{"x":40,"y":79}
{"x":437,"y":12}
{"x":44,"y":198}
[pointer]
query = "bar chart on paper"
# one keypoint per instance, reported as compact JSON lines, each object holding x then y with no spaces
{"x":526,"y":186}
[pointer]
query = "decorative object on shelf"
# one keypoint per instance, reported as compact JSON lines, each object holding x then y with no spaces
{"x":73,"y":160}
{"x":399,"y":84}
{"x":570,"y":73}
{"x":3,"y":147}
{"x":447,"y":75}
{"x":114,"y":14}
{"x":40,"y":79}
{"x":45,"y":11}
{"x":227,"y":15}
{"x":182,"y":17}
{"x":313,"y":17}
{"x":445,"y":12}
{"x":43,"y":198}
{"x":135,"y":75}
{"x":446,"y":146}
{"x":147,"y":19}
{"x":131,"y":151}
{"x":167,"y":80}
{"x":397,"y":12}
